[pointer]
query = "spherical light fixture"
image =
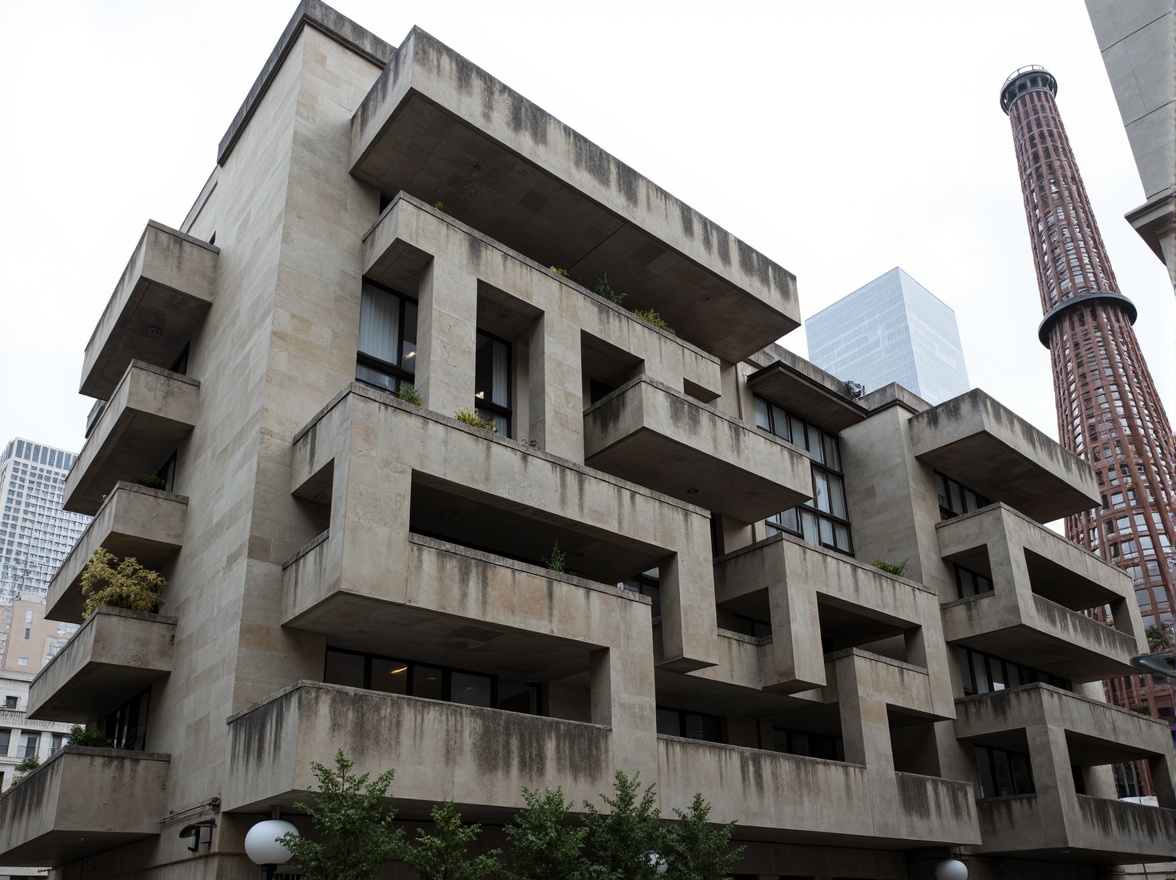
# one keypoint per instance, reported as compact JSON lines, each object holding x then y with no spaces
{"x":951,"y":869}
{"x":262,"y":847}
{"x":657,"y":861}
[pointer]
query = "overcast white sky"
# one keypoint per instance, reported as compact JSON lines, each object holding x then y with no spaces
{"x":839,"y":138}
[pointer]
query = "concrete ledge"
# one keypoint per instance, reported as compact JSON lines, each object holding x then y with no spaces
{"x":807,"y":392}
{"x":150,"y":412}
{"x":163,"y":295}
{"x":113,"y":656}
{"x":648,"y":433}
{"x":933,"y":808}
{"x":82,"y":802}
{"x":974,"y":439}
{"x":481,"y":758}
{"x":1095,"y":832}
{"x":438,"y":127}
{"x":134,"y":520}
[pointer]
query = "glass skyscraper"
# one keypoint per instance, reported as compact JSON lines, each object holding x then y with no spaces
{"x":35,"y":533}
{"x":892,"y":329}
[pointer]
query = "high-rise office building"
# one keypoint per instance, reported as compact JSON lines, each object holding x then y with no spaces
{"x":1109,"y":412}
{"x":892,"y":329}
{"x":352,"y":569}
{"x":1136,"y":39}
{"x":36,"y":534}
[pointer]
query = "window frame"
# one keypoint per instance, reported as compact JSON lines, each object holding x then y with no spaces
{"x":825,"y":461}
{"x":398,"y":374}
{"x":487,"y":408}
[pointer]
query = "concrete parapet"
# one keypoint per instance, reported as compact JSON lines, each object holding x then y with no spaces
{"x":81,"y":802}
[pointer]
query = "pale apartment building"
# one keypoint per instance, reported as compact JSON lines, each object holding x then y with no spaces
{"x":349,"y":570}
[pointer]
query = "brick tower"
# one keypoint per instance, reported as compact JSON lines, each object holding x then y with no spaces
{"x":1109,"y":413}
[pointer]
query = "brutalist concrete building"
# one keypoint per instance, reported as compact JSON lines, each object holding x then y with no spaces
{"x":349,"y":570}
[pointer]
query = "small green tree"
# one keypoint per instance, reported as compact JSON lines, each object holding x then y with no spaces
{"x":698,"y":850}
{"x":125,"y":584}
{"x":603,"y":288}
{"x":1155,"y":639}
{"x":620,"y":842}
{"x":32,"y":762}
{"x":442,"y":854}
{"x":557,"y":561}
{"x":80,"y":736}
{"x":543,"y":844}
{"x":354,"y":826}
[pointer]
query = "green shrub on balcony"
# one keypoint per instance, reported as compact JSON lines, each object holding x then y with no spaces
{"x":80,"y":736}
{"x":471,"y":417}
{"x":649,"y":316}
{"x":151,"y":481}
{"x":107,"y":581}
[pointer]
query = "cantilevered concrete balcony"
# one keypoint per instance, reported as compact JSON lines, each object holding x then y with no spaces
{"x":431,"y":474}
{"x":162,"y":297}
{"x":814,"y":801}
{"x":821,"y":602}
{"x":650,"y":434}
{"x":82,"y":802}
{"x":794,"y":383}
{"x":441,"y":129}
{"x":990,"y":449}
{"x":1064,"y":730}
{"x":113,"y":656}
{"x":1041,"y":582}
{"x":149,"y":413}
{"x":147,"y":524}
{"x":480,"y":758}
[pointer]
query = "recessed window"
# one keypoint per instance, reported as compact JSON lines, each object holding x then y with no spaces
{"x":985,"y":674}
{"x":647,"y":584}
{"x":410,"y":678}
{"x":970,"y":583}
{"x":809,"y":745}
{"x":492,"y":381}
{"x":691,"y":725}
{"x":386,"y":355}
{"x":955,"y":498}
{"x":1003,"y":773}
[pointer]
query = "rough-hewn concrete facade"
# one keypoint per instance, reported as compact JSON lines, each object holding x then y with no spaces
{"x":330,"y":546}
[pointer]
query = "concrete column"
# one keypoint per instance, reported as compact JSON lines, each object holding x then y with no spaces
{"x":556,"y":397}
{"x":798,"y":661}
{"x":623,"y":696}
{"x":447,"y":311}
{"x":1049,"y":757}
{"x":369,"y":522}
{"x":688,"y":622}
{"x":1163,"y":774}
{"x":865,"y":730}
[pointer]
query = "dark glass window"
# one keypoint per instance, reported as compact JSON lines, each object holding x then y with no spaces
{"x":492,"y":381}
{"x":750,"y":626}
{"x":970,"y":583}
{"x":391,"y":676}
{"x":1003,"y":773}
{"x":691,"y":725}
{"x":825,"y":519}
{"x":984,"y":673}
{"x":386,"y":354}
{"x":5,"y":740}
{"x":127,"y":725}
{"x":28,"y":745}
{"x":647,"y":584}
{"x":955,"y":498}
{"x":809,"y":745}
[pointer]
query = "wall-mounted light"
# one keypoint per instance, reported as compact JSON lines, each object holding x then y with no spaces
{"x":951,"y":869}
{"x":196,"y":832}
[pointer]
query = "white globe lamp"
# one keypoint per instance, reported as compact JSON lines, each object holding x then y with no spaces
{"x":657,"y":861}
{"x":262,"y":847}
{"x":951,"y":869}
